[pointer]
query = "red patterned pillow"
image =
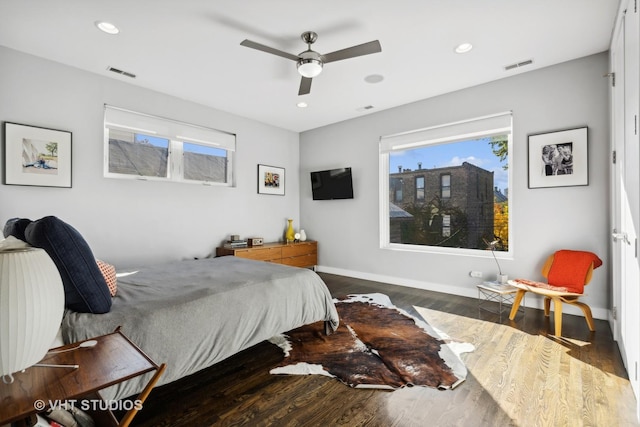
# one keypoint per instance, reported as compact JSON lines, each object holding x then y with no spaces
{"x":109,"y":273}
{"x":542,"y":285}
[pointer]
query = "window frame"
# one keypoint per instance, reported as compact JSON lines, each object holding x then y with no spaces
{"x":484,"y":126}
{"x":177,"y":133}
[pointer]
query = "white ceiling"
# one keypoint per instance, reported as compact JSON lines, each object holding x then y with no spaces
{"x":191,"y":48}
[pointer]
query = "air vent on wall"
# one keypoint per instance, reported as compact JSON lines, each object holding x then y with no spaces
{"x":124,"y":73}
{"x":366,"y":107}
{"x":518,"y":65}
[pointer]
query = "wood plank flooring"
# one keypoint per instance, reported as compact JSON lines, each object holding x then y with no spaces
{"x":519,"y":375}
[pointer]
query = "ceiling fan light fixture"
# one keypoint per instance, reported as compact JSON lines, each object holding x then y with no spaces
{"x":309,"y":63}
{"x":309,"y":67}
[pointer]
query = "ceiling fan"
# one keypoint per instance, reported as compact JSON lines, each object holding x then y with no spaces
{"x":310,"y":63}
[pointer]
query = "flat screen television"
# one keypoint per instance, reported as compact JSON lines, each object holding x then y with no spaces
{"x":332,"y":184}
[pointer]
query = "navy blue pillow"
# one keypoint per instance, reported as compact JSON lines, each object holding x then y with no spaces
{"x":85,"y":289}
{"x":15,"y":227}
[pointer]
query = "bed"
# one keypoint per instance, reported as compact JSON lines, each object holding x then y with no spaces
{"x":187,"y":314}
{"x":193,"y":314}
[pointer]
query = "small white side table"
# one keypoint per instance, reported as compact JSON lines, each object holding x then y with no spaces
{"x":504,"y":295}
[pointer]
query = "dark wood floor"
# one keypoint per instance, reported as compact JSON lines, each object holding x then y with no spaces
{"x":578,"y":380}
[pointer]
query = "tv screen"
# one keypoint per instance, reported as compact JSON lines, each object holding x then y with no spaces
{"x":332,"y":184}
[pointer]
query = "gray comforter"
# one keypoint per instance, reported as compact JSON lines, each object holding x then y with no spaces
{"x":192,"y":314}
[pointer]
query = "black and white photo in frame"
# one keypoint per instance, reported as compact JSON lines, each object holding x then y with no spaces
{"x":559,"y":159}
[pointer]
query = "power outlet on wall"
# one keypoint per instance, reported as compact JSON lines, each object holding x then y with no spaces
{"x":477,"y":274}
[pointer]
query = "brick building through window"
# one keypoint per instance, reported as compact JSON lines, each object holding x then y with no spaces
{"x":449,"y":206}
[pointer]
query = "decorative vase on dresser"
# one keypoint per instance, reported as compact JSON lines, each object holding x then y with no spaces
{"x":289,"y":235}
{"x":303,"y":236}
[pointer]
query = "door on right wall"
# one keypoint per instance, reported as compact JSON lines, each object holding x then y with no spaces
{"x":625,"y":61}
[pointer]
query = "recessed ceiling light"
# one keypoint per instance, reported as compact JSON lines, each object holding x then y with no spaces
{"x":302,"y":105}
{"x":374,"y":78}
{"x":107,"y":27}
{"x":463,"y":48}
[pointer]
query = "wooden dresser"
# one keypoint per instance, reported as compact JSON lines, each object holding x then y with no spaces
{"x":300,"y":254}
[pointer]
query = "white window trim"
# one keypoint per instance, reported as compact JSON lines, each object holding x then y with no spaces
{"x":177,"y":133}
{"x":468,"y":129}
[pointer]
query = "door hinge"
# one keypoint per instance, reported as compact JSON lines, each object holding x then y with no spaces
{"x":635,"y":124}
{"x":614,"y":313}
{"x":613,"y":157}
{"x":613,"y":78}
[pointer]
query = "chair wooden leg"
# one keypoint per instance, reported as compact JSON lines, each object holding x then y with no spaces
{"x":587,"y":314}
{"x":557,"y":316}
{"x":516,"y":303}
{"x":547,"y":306}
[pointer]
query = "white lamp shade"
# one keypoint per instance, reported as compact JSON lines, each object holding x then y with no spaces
{"x":31,"y":307}
{"x":309,"y":67}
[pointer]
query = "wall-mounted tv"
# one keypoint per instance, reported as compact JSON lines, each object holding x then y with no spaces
{"x":332,"y":184}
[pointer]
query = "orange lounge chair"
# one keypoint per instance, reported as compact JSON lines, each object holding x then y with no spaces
{"x":567,"y":272}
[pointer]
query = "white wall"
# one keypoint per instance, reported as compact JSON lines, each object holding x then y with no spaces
{"x":568,"y":95}
{"x":130,"y":222}
{"x":133,"y":222}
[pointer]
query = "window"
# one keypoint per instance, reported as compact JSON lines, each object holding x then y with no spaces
{"x":446,"y":225}
{"x":420,"y":188}
{"x":138,"y":154}
{"x":445,"y":186}
{"x":147,"y":147}
{"x":204,"y":163}
{"x":459,"y":202}
{"x":396,"y":189}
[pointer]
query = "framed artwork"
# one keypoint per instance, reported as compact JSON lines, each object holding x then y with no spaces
{"x":270,"y":180}
{"x":559,"y":159}
{"x":36,"y":156}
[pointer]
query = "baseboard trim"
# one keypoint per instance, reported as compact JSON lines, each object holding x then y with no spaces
{"x":531,"y":300}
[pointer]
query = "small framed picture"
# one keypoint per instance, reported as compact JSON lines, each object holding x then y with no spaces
{"x":270,"y":180}
{"x":36,"y":156}
{"x":559,"y":159}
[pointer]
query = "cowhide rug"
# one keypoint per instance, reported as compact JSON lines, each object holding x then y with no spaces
{"x":376,"y":345}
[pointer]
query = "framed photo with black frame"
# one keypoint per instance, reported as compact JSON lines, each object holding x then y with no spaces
{"x":36,"y":156}
{"x":270,"y":180}
{"x":559,"y":158}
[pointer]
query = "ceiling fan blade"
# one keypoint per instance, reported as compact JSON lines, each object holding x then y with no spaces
{"x":305,"y":86}
{"x":352,"y":52}
{"x":258,"y":46}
